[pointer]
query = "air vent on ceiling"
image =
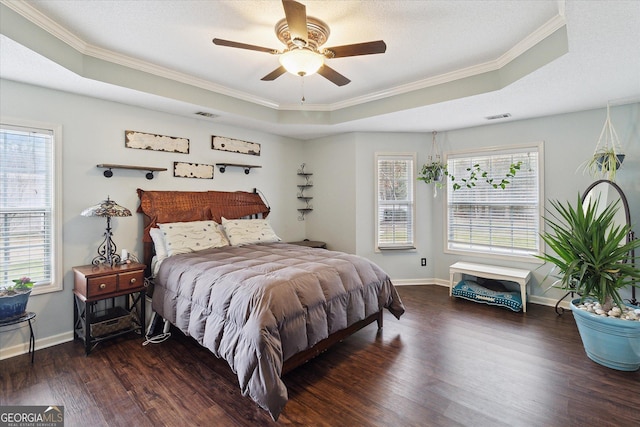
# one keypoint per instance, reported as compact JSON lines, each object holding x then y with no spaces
{"x":208,"y":115}
{"x":498,"y":116}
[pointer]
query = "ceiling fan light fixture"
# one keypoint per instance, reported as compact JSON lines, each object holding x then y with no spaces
{"x":301,"y":62}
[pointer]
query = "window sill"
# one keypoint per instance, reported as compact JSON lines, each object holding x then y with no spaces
{"x":396,"y":248}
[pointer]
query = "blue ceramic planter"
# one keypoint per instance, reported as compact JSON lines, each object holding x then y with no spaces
{"x":611,"y":342}
{"x":13,"y":306}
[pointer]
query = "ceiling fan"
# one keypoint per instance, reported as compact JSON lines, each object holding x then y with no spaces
{"x":303,"y":37}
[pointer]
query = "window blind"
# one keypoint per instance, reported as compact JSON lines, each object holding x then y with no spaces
{"x":26,"y":204}
{"x":498,"y":221}
{"x":395,"y":201}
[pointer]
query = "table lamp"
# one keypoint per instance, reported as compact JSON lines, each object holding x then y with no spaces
{"x":107,"y":251}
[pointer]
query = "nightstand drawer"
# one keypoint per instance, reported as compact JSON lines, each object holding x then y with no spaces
{"x":131,"y":280}
{"x":102,"y":285}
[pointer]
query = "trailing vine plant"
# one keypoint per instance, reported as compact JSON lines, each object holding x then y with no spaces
{"x":475,"y":171}
{"x":435,"y":171}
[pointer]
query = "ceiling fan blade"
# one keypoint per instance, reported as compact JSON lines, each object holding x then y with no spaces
{"x":296,"y":14}
{"x":367,"y":48}
{"x":333,"y":76}
{"x":274,"y":74}
{"x":228,"y":43}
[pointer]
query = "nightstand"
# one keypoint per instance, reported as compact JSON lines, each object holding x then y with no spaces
{"x":310,"y":243}
{"x":95,"y":283}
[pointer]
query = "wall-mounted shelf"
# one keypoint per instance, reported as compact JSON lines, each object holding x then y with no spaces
{"x":109,"y":173}
{"x":247,"y":168}
{"x":301,"y":196}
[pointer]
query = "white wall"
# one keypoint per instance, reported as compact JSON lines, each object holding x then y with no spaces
{"x":333,"y":220}
{"x":569,"y":140}
{"x":343,"y":167}
{"x":93,"y":133}
{"x":400,"y":265}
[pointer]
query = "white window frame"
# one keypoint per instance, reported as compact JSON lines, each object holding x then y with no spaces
{"x":410,"y":243}
{"x":497,"y":253}
{"x":56,"y":282}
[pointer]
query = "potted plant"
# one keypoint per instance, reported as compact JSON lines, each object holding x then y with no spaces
{"x":595,"y":261}
{"x":433,"y":172}
{"x":605,"y":162}
{"x":14,"y":298}
{"x":608,"y":156}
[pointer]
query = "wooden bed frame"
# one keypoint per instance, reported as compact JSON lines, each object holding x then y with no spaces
{"x":160,"y":207}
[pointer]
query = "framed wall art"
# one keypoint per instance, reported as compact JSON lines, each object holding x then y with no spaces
{"x":149,"y":141}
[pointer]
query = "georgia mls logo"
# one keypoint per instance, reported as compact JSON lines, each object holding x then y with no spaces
{"x":31,"y":416}
{"x":57,"y":412}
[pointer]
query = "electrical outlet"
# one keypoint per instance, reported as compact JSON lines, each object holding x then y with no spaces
{"x":423,"y":262}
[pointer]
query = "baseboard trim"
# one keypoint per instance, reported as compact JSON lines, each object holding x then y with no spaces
{"x":16,"y":350}
{"x":419,"y":282}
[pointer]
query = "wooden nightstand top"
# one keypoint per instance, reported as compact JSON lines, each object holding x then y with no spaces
{"x":311,"y":244}
{"x":103,"y":269}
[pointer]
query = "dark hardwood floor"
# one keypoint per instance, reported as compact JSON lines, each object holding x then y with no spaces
{"x":446,"y":362}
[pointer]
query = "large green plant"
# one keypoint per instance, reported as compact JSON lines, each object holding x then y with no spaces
{"x":590,"y":251}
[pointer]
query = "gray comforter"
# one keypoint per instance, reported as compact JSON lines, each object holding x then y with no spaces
{"x":257,"y":305}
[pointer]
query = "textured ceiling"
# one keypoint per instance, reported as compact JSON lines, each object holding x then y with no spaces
{"x":431,"y":45}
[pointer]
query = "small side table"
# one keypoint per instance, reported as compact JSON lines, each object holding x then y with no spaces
{"x":95,"y":283}
{"x":26,"y":317}
{"x":310,"y":243}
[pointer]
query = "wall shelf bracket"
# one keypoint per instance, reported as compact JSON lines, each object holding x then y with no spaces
{"x":108,"y":173}
{"x":247,"y":168}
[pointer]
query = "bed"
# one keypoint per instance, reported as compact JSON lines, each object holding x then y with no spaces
{"x":262,"y":305}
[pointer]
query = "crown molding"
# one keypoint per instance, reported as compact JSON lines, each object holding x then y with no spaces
{"x":58,"y":31}
{"x":43,"y":21}
{"x":547,"y":29}
{"x":147,"y":67}
{"x":61,"y":33}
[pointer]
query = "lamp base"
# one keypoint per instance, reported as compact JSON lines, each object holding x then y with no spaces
{"x":107,"y":251}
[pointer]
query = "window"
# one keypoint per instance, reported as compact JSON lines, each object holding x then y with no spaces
{"x":395,"y":196}
{"x":29,"y":232}
{"x":489,"y":221}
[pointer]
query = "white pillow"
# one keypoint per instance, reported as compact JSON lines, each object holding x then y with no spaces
{"x":184,"y":237}
{"x":159,"y":243}
{"x":248,"y":231}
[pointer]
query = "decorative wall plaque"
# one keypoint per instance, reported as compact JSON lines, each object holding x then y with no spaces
{"x":192,"y":170}
{"x":148,"y":141}
{"x":234,"y":145}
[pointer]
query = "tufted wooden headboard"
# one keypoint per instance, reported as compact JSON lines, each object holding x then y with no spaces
{"x":183,"y":206}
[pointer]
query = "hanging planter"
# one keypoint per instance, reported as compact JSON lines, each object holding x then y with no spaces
{"x":608,"y":156}
{"x":605,"y":161}
{"x":434,"y":170}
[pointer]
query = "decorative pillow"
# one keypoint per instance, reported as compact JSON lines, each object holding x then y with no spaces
{"x":184,"y":237}
{"x":248,"y":231}
{"x":471,"y":290}
{"x":159,"y":243}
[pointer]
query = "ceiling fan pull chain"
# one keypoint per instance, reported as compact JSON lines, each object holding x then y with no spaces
{"x":302,"y":90}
